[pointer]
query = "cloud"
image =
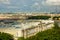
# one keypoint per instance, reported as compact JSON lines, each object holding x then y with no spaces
{"x":36,"y":6}
{"x":25,"y":5}
{"x":35,"y":0}
{"x":51,"y":2}
{"x":5,"y":1}
{"x":12,"y":7}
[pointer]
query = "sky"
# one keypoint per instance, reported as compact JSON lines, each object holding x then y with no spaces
{"x":29,"y":5}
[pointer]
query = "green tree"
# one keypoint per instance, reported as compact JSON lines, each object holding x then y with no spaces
{"x":39,"y":17}
{"x":6,"y":36}
{"x":21,"y":38}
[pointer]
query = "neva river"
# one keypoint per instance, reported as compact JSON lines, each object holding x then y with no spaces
{"x":17,"y":24}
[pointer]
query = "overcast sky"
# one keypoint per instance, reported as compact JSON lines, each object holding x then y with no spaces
{"x":29,"y":5}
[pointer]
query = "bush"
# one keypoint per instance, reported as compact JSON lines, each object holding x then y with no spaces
{"x":21,"y":38}
{"x":6,"y":36}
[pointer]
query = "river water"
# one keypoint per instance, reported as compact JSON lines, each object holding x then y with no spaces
{"x":18,"y":24}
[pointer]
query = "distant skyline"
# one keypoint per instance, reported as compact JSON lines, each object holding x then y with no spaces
{"x":29,"y":6}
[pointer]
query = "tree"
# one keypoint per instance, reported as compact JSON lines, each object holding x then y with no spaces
{"x":6,"y":36}
{"x":21,"y":38}
{"x":39,"y":17}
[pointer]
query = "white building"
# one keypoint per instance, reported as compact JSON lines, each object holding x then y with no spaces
{"x":27,"y":29}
